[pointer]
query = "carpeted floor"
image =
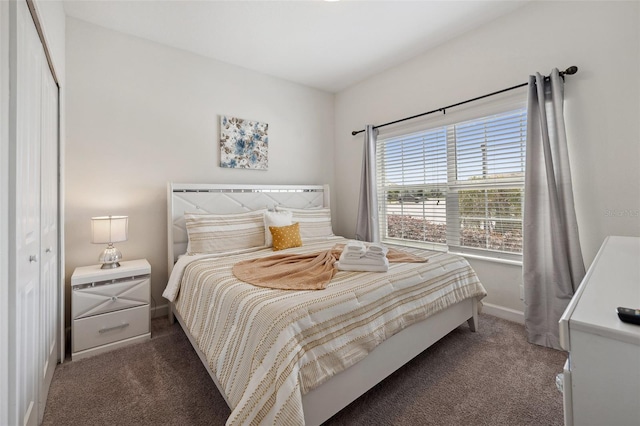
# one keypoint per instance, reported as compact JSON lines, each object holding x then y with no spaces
{"x":493,"y":377}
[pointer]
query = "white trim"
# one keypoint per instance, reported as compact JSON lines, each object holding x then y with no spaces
{"x":61,"y":243}
{"x":4,"y":212}
{"x":488,"y":258}
{"x":502,"y":312}
{"x":221,"y":187}
{"x":34,"y":7}
{"x":161,"y":310}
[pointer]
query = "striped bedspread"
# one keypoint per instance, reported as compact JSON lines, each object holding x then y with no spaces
{"x":269,"y":347}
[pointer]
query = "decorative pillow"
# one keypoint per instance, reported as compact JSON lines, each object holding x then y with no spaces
{"x":217,"y":233}
{"x":314,"y":223}
{"x":285,"y":237}
{"x":274,"y":219}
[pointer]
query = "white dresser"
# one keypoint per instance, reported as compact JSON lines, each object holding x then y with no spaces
{"x":602,"y":374}
{"x":110,"y":307}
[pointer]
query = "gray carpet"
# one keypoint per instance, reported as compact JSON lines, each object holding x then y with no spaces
{"x":493,"y":377}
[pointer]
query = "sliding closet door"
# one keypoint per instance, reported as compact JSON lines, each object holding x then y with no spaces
{"x":48,"y":236}
{"x":32,"y":220}
{"x":26,"y":315}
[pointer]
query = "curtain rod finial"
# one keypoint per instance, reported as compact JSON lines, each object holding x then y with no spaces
{"x":571,"y":70}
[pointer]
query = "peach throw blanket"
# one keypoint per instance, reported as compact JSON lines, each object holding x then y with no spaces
{"x":311,"y":271}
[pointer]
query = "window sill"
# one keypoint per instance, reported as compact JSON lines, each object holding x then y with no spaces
{"x":488,"y":258}
{"x":443,"y":248}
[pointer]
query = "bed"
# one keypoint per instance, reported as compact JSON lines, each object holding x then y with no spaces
{"x":293,"y":357}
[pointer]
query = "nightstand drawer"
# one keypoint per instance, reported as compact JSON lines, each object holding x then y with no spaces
{"x":107,"y":328}
{"x":109,"y":297}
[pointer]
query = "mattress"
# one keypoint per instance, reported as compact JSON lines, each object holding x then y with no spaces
{"x":269,"y":347}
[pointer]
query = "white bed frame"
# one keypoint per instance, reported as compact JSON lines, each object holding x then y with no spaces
{"x":326,"y":400}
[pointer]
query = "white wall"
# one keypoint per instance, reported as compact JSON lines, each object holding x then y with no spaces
{"x":601,"y":108}
{"x":140,"y":114}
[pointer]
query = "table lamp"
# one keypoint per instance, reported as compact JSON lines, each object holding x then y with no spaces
{"x":109,"y":230}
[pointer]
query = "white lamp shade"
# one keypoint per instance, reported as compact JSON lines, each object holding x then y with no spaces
{"x":109,"y":229}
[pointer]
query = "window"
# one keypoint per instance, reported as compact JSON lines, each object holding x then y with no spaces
{"x":456,"y":187}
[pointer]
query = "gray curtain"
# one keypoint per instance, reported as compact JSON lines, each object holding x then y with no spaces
{"x":367,"y":221}
{"x":552,"y":259}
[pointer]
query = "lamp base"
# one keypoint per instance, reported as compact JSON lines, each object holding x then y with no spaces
{"x":110,"y":265}
{"x":110,"y":257}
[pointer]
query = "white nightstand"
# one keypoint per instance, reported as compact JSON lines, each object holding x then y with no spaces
{"x":109,"y":307}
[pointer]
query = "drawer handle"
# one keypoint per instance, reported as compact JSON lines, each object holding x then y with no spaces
{"x":117,"y":327}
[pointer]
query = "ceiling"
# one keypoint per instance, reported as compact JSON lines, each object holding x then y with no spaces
{"x":326,"y":45}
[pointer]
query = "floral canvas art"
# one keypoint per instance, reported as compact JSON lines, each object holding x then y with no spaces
{"x":243,"y":144}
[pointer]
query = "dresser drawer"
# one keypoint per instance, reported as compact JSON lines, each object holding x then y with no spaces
{"x":109,"y":296}
{"x":111,"y":327}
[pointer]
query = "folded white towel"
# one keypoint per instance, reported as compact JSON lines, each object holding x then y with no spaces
{"x":361,"y":268}
{"x":359,"y":252}
{"x":364,"y":261}
{"x":354,"y":246}
{"x":352,"y":255}
{"x":377,"y":248}
{"x":370,"y":255}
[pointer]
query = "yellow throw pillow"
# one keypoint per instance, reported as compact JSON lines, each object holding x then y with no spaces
{"x":285,"y":237}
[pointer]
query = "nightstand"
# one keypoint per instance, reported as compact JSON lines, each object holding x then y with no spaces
{"x":109,"y":307}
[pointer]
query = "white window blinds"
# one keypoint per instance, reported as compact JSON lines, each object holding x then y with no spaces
{"x":458,"y":186}
{"x":412,"y":181}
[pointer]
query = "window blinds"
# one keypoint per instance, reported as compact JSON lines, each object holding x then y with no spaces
{"x":412,"y":181}
{"x":486,"y":189}
{"x":459,"y":185}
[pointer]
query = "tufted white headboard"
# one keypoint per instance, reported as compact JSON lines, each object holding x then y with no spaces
{"x":229,"y":199}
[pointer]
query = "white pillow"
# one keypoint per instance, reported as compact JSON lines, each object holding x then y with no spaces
{"x":218,"y":233}
{"x":276,"y":218}
{"x":314,"y":223}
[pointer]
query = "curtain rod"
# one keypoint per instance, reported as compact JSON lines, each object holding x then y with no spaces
{"x":569,"y":71}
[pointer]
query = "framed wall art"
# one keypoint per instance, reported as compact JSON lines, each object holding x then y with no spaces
{"x":244,"y":144}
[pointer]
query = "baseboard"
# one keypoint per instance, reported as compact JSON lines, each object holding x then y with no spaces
{"x":158,"y":311}
{"x":502,"y":312}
